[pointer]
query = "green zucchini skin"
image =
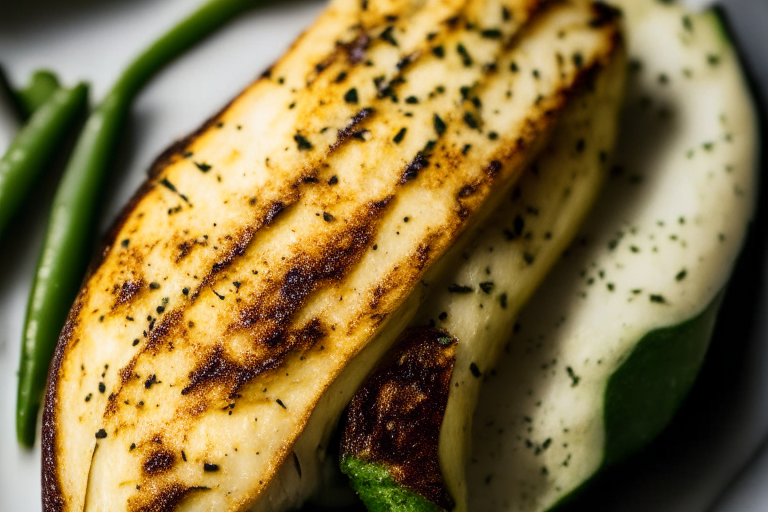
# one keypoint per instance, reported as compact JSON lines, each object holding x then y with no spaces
{"x":379,"y":491}
{"x":639,"y":381}
{"x":645,"y":392}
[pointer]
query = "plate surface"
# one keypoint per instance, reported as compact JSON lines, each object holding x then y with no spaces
{"x":704,"y":452}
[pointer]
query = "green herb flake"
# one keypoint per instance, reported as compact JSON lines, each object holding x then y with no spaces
{"x":658,"y":299}
{"x":388,"y":36}
{"x":681,"y":275}
{"x":491,"y":33}
{"x":466,"y":58}
{"x":470,"y":120}
{"x":487,"y":287}
{"x":439,"y":124}
{"x":351,"y":96}
{"x":475,"y":370}
{"x":456,"y":288}
{"x":302,"y":143}
{"x":400,"y":136}
{"x":574,"y":378}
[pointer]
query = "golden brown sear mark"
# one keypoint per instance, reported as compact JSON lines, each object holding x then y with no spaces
{"x":165,"y":498}
{"x":394,"y":419}
{"x":159,"y":462}
{"x":127,"y":291}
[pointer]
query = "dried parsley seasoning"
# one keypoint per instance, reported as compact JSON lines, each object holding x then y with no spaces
{"x":327,"y":217}
{"x":387,"y":35}
{"x":412,"y":100}
{"x":487,"y":287}
{"x":102,"y":387}
{"x":334,"y":180}
{"x":681,"y":275}
{"x":658,"y":299}
{"x":457,"y":288}
{"x":400,"y":136}
{"x":574,"y":378}
{"x":491,"y":33}
{"x":439,"y":124}
{"x":302,"y":143}
{"x":204,"y":167}
{"x":170,"y":186}
{"x":475,"y":370}
{"x":438,"y":51}
{"x":210,"y":468}
{"x":466,"y":58}
{"x":351,"y":96}
{"x":470,"y":120}
{"x":101,"y":434}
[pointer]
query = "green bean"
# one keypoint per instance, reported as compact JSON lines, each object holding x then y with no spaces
{"x":26,"y":101}
{"x":32,"y":149}
{"x":41,"y":87}
{"x":66,"y":245}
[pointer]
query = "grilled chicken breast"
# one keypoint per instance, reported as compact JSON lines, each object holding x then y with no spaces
{"x":272,"y":246}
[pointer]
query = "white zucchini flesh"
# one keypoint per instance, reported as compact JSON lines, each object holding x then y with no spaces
{"x":510,"y":256}
{"x":487,"y":280}
{"x":654,"y":254}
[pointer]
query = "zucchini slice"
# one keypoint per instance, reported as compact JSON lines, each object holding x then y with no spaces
{"x":300,"y":225}
{"x":612,"y":342}
{"x":476,"y":302}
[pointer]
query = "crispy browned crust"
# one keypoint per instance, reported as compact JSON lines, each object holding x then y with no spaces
{"x":394,"y":419}
{"x":268,"y":315}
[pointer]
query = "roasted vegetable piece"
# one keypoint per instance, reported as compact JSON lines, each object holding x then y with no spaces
{"x":391,"y":428}
{"x":613,"y":341}
{"x":67,"y":242}
{"x":476,"y":303}
{"x":269,"y":249}
{"x":34,"y":146}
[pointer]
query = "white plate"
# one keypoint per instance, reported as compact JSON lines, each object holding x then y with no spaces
{"x":722,"y":424}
